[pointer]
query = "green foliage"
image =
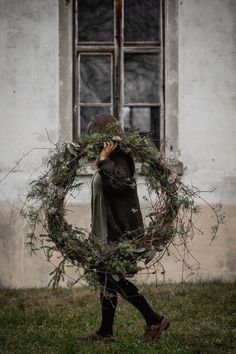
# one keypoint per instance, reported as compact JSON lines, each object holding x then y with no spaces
{"x":170,"y":213}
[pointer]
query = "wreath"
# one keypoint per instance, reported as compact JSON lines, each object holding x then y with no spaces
{"x":170,"y":209}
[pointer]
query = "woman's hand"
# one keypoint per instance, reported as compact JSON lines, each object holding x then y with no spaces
{"x":108,"y":148}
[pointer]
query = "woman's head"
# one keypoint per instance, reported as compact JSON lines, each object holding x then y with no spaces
{"x":100,"y":123}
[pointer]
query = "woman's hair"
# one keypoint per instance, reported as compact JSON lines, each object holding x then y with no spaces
{"x":99,"y":123}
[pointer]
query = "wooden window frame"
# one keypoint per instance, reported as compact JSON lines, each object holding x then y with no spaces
{"x":117,"y":49}
{"x":66,"y":106}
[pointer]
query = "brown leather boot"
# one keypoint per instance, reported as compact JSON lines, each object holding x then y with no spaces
{"x":154,"y":331}
{"x":95,"y":337}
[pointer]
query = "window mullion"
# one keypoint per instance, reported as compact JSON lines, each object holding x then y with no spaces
{"x":95,"y":48}
{"x":118,"y":60}
{"x":143,"y":104}
{"x":140,"y":49}
{"x":162,"y":81}
{"x":75,"y":73}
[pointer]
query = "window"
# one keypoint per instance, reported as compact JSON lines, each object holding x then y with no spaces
{"x":118,"y":64}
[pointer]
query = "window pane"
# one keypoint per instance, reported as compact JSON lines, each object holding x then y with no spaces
{"x":146,"y":119}
{"x":96,"y":20}
{"x":141,"y":78}
{"x":141,"y":20}
{"x":95,"y":78}
{"x":87,"y":113}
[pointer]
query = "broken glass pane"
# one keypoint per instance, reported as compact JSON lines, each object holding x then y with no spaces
{"x":141,"y":78}
{"x":146,"y":119}
{"x":95,"y":78}
{"x":96,"y":20}
{"x":87,"y":114}
{"x":141,"y":20}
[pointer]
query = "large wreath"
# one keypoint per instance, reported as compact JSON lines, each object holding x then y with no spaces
{"x":169,"y":216}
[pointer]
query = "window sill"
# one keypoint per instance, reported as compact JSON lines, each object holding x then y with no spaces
{"x":176,"y":166}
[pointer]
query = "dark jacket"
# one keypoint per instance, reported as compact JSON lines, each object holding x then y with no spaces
{"x":120,"y":195}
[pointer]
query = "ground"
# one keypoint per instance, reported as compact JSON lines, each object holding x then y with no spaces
{"x":38,"y":321}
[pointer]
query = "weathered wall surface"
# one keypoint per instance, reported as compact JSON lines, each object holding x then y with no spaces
{"x":207,"y":95}
{"x":29,"y":105}
{"x":29,"y":87}
{"x":207,"y":127}
{"x":29,"y":95}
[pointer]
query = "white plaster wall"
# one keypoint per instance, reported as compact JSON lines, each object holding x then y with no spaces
{"x":29,"y":88}
{"x":29,"y":105}
{"x":207,"y":95}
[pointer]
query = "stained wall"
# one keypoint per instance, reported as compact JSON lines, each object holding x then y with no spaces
{"x":31,"y":77}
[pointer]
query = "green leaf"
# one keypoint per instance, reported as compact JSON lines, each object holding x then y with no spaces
{"x":148,"y":253}
{"x":158,"y":249}
{"x":115,"y":277}
{"x":139,"y":250}
{"x":149,"y":257}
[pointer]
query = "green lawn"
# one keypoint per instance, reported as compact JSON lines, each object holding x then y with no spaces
{"x":39,"y":321}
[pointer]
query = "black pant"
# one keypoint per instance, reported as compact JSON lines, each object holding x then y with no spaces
{"x":127,"y":290}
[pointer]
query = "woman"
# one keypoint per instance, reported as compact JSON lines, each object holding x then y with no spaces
{"x":116,"y":210}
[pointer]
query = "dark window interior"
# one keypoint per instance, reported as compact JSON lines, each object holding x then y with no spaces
{"x":118,"y":63}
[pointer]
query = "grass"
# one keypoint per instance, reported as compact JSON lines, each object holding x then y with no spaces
{"x":38,"y":321}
